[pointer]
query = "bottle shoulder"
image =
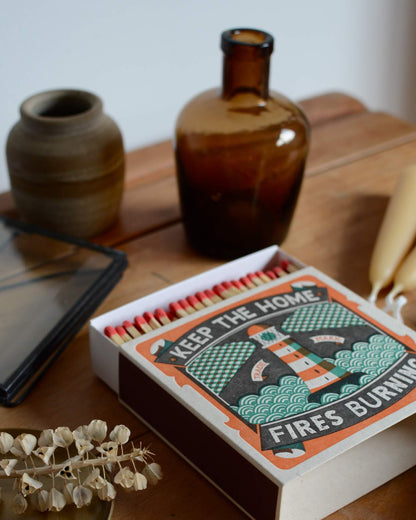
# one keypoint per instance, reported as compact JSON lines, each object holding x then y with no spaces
{"x":208,"y":112}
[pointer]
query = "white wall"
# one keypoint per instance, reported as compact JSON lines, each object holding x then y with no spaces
{"x":147,"y":58}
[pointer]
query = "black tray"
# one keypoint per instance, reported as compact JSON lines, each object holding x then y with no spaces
{"x":50,"y":285}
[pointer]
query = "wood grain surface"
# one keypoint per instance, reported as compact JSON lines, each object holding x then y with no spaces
{"x":355,"y":160}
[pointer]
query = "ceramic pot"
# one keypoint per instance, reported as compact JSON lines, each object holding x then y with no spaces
{"x":66,"y":163}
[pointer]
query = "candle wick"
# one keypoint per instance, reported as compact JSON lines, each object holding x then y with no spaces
{"x":393,"y":306}
{"x":374,"y":293}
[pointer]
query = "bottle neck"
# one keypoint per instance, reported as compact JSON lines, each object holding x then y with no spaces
{"x":246,"y":62}
{"x":243,"y":75}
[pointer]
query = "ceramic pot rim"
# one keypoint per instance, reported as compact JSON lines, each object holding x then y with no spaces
{"x":64,"y":109}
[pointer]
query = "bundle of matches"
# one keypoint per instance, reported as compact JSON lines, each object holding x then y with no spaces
{"x":94,"y":469}
{"x":201,"y":300}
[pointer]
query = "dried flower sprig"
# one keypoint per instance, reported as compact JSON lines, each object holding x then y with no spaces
{"x":94,"y":469}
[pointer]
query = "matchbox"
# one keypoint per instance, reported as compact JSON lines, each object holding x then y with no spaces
{"x":294,"y":397}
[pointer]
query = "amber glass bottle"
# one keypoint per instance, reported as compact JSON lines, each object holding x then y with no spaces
{"x":240,"y":154}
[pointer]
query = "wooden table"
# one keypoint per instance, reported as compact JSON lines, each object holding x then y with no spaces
{"x":356,"y":156}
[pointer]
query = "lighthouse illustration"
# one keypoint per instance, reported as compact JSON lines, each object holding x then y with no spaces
{"x":265,"y":352}
{"x":232,"y":370}
{"x":318,"y":374}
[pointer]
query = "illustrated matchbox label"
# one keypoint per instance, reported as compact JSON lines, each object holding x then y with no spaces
{"x":296,"y":367}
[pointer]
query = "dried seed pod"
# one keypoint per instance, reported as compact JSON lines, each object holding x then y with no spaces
{"x":81,"y":433}
{"x":107,"y":492}
{"x":68,"y":492}
{"x":56,"y":500}
{"x":140,"y":481}
{"x":82,"y":496}
{"x":108,"y":449}
{"x":94,"y":480}
{"x":44,"y":453}
{"x":153,"y":472}
{"x":46,"y":438}
{"x":19,"y":504}
{"x":29,"y":485}
{"x":120,"y":434}
{"x":40,"y":500}
{"x":7,"y":465}
{"x":125,"y":478}
{"x":97,"y":430}
{"x":62,"y":437}
{"x":20,"y":454}
{"x":23,"y":445}
{"x":6,"y":442}
{"x":83,"y":446}
{"x":66,"y":473}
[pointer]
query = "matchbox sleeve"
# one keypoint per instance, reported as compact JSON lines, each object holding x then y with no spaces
{"x":298,"y":363}
{"x":296,"y":382}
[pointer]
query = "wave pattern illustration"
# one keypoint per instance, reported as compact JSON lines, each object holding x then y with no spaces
{"x":372,"y":357}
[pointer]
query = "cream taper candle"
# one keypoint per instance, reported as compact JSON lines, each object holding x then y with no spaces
{"x":397,"y":232}
{"x":405,"y":277}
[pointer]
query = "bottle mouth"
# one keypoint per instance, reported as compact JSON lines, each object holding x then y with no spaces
{"x":258,"y":41}
{"x":61,"y":106}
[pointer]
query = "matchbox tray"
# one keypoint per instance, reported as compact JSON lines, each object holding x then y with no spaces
{"x":294,"y":398}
